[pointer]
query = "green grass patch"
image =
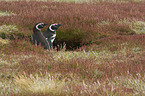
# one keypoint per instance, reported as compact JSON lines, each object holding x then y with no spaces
{"x":107,"y":54}
{"x":6,"y":13}
{"x":104,"y":23}
{"x":136,"y":84}
{"x":6,"y":31}
{"x":11,"y":32}
{"x":137,"y":26}
{"x":4,"y":41}
{"x":7,"y":86}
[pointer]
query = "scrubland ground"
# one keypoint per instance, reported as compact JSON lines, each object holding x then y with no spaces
{"x":104,"y":53}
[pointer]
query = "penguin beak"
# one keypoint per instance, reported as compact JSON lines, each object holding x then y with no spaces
{"x":45,"y":24}
{"x":56,"y":26}
{"x":59,"y":25}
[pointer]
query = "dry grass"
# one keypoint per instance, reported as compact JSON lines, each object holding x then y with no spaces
{"x":83,"y":73}
{"x":45,"y":84}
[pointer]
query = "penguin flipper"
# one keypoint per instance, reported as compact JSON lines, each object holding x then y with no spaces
{"x":32,"y":39}
{"x":36,"y":43}
{"x":50,"y":43}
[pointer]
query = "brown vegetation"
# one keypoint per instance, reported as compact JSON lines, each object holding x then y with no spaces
{"x":82,"y":23}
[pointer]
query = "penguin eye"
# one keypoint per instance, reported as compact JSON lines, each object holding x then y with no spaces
{"x":54,"y":27}
{"x":40,"y":26}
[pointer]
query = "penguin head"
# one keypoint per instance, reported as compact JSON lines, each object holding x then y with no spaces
{"x":54,"y":27}
{"x":39,"y":26}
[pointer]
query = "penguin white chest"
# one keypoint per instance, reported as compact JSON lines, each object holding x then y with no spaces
{"x":53,"y":37}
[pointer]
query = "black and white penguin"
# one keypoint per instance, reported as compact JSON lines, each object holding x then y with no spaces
{"x":37,"y":36}
{"x":50,"y":33}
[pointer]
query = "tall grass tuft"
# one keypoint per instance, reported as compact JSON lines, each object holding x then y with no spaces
{"x":40,"y":85}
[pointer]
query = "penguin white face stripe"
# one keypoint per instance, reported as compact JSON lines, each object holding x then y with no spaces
{"x":38,"y":25}
{"x":51,"y":28}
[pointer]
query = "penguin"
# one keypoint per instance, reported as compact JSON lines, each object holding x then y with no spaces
{"x":50,"y":33}
{"x":37,"y":36}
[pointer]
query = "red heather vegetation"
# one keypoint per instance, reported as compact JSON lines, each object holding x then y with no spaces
{"x":82,"y":23}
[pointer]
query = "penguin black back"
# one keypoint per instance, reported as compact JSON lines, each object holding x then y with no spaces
{"x":37,"y":36}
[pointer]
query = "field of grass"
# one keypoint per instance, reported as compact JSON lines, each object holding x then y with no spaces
{"x":81,"y":1}
{"x":104,"y":52}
